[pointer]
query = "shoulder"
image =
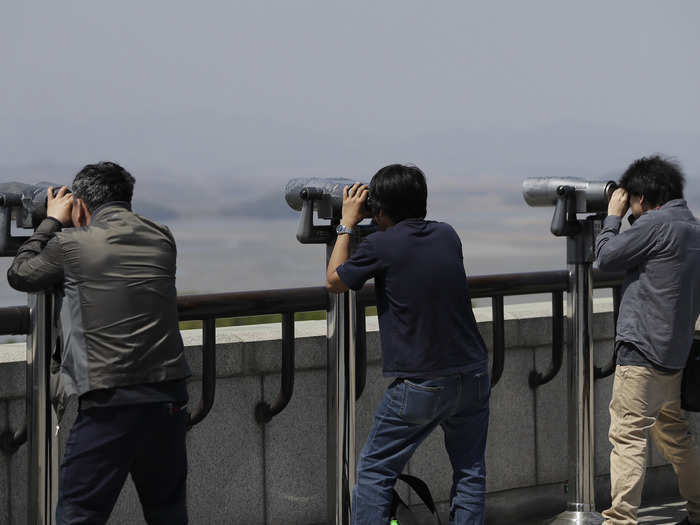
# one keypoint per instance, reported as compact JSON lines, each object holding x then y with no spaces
{"x":75,"y":234}
{"x":437,"y":225}
{"x":443,"y":229}
{"x":443,"y":226}
{"x":655,"y":229}
{"x":647,"y":228}
{"x":162,"y":228}
{"x":649,"y":220}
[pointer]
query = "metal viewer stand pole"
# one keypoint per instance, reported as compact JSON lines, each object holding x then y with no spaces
{"x":27,"y":205}
{"x":340,"y":386}
{"x":571,"y":196}
{"x":41,"y":418}
{"x":581,"y":488}
{"x":325,"y":197}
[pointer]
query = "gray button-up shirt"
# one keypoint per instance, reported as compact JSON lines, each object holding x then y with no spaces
{"x":660,"y":254}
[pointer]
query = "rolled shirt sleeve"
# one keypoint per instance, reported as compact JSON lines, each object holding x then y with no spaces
{"x":617,"y":251}
{"x":39,"y":261}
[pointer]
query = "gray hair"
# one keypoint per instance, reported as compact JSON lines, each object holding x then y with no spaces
{"x":98,"y":184}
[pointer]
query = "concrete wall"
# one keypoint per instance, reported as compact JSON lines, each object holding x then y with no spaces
{"x":244,"y":473}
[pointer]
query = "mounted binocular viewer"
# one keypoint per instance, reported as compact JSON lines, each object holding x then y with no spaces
{"x":569,"y":196}
{"x":325,"y":196}
{"x":26,"y":204}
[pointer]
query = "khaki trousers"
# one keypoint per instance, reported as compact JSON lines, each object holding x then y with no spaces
{"x":645,"y":401}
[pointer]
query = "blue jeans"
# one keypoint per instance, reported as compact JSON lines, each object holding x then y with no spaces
{"x":410,"y":410}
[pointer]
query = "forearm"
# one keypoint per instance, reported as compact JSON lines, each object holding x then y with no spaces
{"x":353,"y":212}
{"x":610,"y":230}
{"x":617,"y":251}
{"x":38,"y":264}
{"x":40,"y":238}
{"x":340,"y":254}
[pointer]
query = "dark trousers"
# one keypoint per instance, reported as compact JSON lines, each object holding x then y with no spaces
{"x":108,"y":443}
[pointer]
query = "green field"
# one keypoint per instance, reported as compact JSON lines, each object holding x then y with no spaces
{"x":264,"y":319}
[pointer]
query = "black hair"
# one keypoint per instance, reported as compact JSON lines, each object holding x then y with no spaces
{"x":401,"y":191}
{"x":656,"y":178}
{"x":98,"y":184}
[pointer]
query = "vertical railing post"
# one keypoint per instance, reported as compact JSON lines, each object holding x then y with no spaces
{"x":360,"y":345}
{"x":264,"y":411}
{"x":609,"y":368}
{"x":41,"y":419}
{"x":208,"y":373}
{"x":538,"y":378}
{"x":351,"y":399}
{"x":499,"y":339}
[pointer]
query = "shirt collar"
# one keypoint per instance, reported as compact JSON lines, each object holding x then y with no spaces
{"x":411,"y":220}
{"x":112,"y":204}
{"x":675,"y":203}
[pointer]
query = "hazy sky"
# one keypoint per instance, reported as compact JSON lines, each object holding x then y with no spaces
{"x":372,"y":72}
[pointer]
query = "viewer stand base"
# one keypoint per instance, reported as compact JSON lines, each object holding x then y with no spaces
{"x":571,"y":517}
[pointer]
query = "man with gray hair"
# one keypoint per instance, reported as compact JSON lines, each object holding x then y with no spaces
{"x":660,"y":255}
{"x":122,"y":351}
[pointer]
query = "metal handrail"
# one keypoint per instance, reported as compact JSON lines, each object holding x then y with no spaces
{"x":14,"y":320}
{"x":260,"y":302}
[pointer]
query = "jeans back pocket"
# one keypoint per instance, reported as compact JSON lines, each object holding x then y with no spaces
{"x":482,"y":385}
{"x":423,"y":401}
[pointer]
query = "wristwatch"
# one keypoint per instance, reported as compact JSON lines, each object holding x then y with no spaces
{"x":341,"y":229}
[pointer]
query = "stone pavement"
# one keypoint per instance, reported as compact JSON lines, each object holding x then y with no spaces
{"x":662,"y":514}
{"x":668,"y":513}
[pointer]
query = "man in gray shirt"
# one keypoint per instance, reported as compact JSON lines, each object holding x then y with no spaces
{"x":660,"y":255}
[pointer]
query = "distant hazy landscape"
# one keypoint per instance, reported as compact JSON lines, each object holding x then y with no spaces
{"x":235,"y":232}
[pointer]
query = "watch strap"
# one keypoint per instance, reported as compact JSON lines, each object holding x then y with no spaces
{"x":341,"y":229}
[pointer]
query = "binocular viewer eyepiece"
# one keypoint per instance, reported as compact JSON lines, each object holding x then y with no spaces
{"x":26,"y":204}
{"x":569,"y":196}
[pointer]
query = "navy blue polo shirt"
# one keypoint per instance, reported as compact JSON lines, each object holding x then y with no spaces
{"x":426,"y":323}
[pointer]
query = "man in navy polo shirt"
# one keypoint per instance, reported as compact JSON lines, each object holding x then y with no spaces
{"x":430,"y":343}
